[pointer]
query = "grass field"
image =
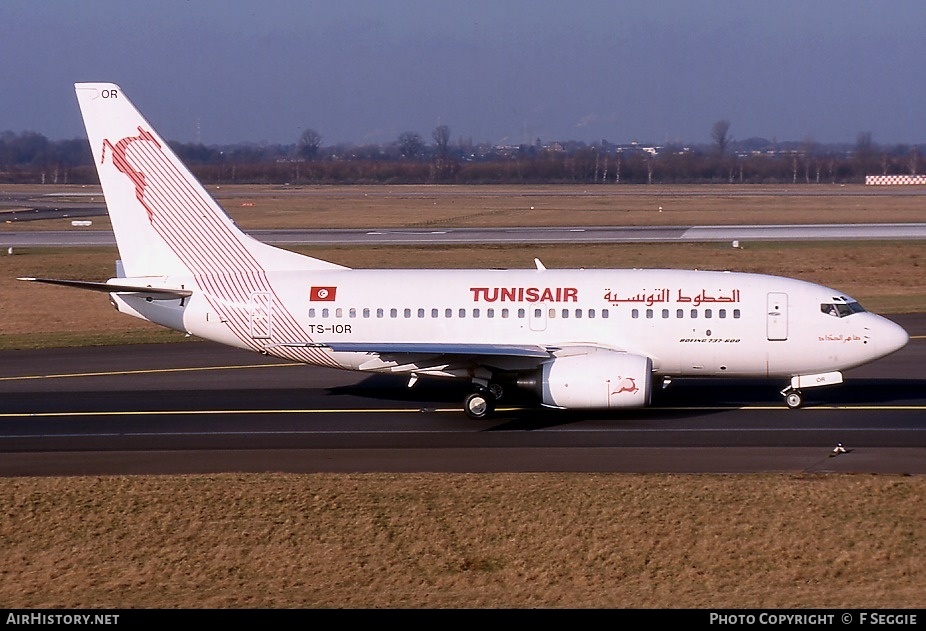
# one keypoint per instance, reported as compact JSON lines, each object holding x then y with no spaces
{"x":282,"y":207}
{"x":462,"y":541}
{"x":476,"y":541}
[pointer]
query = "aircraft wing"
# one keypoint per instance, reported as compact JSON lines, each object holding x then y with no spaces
{"x":438,"y":348}
{"x":155,"y":293}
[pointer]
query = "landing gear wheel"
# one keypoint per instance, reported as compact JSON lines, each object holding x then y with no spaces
{"x":794,"y":399}
{"x":479,"y":405}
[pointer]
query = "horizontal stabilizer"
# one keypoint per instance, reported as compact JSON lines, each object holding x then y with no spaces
{"x":155,"y":293}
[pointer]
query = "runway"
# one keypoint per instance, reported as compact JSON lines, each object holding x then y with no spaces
{"x":520,"y":235}
{"x":196,"y":407}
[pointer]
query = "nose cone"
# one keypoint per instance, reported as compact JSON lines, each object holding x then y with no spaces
{"x":891,"y":337}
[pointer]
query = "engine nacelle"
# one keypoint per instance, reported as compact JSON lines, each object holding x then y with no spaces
{"x":597,"y":378}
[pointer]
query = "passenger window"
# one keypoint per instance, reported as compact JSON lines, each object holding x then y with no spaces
{"x":680,"y":313}
{"x":708,"y":313}
{"x":521,"y":313}
{"x":352,"y":313}
{"x":380,"y":313}
{"x":475,"y":313}
{"x":635,"y":313}
{"x":694,"y":314}
{"x":591,"y":313}
{"x":736,"y":313}
{"x":407,"y":313}
{"x":366,"y":312}
{"x":448,"y":313}
{"x":325,"y":312}
{"x":312,"y":312}
{"x":504,"y":313}
{"x":649,"y":314}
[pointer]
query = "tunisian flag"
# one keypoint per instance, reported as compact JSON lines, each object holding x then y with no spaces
{"x":322,"y":294}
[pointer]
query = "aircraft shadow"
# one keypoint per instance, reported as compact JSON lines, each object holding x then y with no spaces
{"x":684,"y":398}
{"x":718,"y":392}
{"x":431,"y":391}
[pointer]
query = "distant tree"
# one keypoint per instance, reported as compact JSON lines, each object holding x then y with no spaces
{"x":864,"y":154}
{"x":720,"y":135}
{"x":809,"y":153}
{"x":441,"y":137}
{"x":411,"y":144}
{"x":309,"y":143}
{"x":443,"y":167}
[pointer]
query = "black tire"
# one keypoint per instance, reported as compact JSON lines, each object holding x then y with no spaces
{"x":794,"y":399}
{"x":478,"y":405}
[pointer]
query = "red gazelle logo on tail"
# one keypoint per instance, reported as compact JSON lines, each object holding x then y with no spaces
{"x":121,"y":162}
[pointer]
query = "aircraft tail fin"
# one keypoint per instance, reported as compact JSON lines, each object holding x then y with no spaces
{"x":165,"y":222}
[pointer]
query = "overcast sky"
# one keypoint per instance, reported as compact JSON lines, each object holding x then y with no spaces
{"x":501,"y":71}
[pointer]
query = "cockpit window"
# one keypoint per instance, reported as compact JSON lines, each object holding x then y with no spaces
{"x":841,"y":309}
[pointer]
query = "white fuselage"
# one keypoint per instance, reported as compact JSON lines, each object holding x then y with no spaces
{"x":690,"y":323}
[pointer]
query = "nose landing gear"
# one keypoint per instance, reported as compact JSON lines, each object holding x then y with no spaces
{"x":793,"y":398}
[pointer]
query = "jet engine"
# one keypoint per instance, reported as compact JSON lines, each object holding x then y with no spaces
{"x":594,"y":378}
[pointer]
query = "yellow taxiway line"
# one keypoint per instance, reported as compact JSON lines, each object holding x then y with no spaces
{"x":150,"y":371}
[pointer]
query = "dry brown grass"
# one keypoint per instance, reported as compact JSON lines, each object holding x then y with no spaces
{"x":509,"y":540}
{"x":409,"y":206}
{"x":380,"y":206}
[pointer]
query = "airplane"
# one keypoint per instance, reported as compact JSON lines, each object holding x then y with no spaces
{"x":589,"y":339}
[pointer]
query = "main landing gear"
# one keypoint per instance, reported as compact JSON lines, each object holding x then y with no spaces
{"x":481,"y":403}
